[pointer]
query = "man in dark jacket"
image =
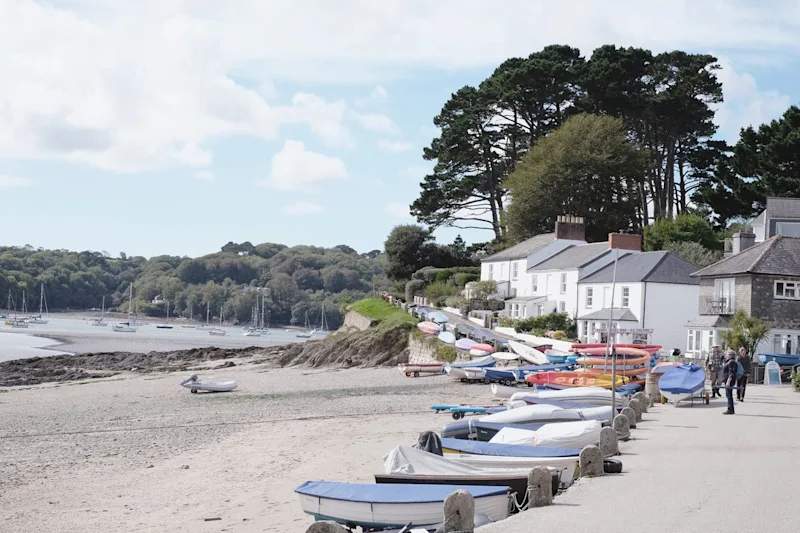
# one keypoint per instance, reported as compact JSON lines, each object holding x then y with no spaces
{"x":729,"y":379}
{"x":744,"y":360}
{"x":714,"y":363}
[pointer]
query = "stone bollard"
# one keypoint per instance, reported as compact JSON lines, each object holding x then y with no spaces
{"x":622,"y":427}
{"x":540,"y":487}
{"x":630,"y":414}
{"x":643,"y":400}
{"x":325,"y":527}
{"x":609,"y":443}
{"x":591,"y":461}
{"x":459,"y":512}
{"x":636,"y":405}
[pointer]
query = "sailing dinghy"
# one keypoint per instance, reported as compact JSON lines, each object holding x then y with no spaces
{"x":682,"y":383}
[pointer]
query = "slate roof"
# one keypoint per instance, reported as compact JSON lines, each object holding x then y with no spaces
{"x":653,"y":267}
{"x":709,"y":321}
{"x":621,"y":315}
{"x":783,"y":208}
{"x":523,"y":249}
{"x":575,"y":256}
{"x":778,"y":256}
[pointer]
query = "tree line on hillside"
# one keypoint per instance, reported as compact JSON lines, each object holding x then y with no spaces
{"x":294,"y":281}
{"x":624,"y":138}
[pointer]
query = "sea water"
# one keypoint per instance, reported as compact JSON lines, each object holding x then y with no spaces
{"x":21,"y":346}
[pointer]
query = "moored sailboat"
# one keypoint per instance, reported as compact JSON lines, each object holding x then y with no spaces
{"x":130,"y":325}
{"x":42,"y":307}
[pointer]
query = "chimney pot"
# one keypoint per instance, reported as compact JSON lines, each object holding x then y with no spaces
{"x":742,"y":241}
{"x":570,"y":227}
{"x":625,"y":241}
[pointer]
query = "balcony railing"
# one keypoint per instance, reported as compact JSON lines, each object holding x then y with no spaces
{"x":717,"y":306}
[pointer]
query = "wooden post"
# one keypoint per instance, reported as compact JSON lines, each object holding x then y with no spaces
{"x":622,"y":427}
{"x":609,"y":443}
{"x":591,"y":461}
{"x":630,"y":414}
{"x":636,"y":405}
{"x":540,"y":487}
{"x":325,"y":527}
{"x":459,"y":512}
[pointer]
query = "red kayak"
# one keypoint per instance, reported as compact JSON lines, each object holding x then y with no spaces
{"x":651,"y":348}
{"x":622,"y":352}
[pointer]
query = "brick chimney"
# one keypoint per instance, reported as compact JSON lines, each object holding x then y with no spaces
{"x":570,"y":228}
{"x":742,"y":241}
{"x":625,"y":241}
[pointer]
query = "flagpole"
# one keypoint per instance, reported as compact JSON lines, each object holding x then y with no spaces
{"x":613,"y":346}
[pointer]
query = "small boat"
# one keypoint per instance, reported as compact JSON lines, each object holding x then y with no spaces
{"x":477,"y":430}
{"x":447,"y":337}
{"x":17,"y":323}
{"x":560,"y":435}
{"x":415,"y":369}
{"x":582,"y":395}
{"x":530,"y":354}
{"x":651,"y":348}
{"x":487,"y":455}
{"x":626,"y":362}
{"x":405,"y":464}
{"x":195,"y":384}
{"x":431,"y":328}
{"x":664,"y":366}
{"x":437,"y":317}
{"x":383,"y":506}
{"x":682,"y":383}
{"x":254,"y":332}
{"x":622,"y":352}
{"x":465,"y":343}
{"x":218,"y":332}
{"x":571,"y":379}
{"x":548,"y":414}
{"x":482,"y":362}
{"x":556,"y":357}
{"x":503,"y":391}
{"x":125,"y":327}
{"x":781,"y":359}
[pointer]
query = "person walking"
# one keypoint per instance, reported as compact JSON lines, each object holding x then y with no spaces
{"x":729,"y":379}
{"x":714,"y":364}
{"x":744,"y":360}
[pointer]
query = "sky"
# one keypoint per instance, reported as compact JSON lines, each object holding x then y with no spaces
{"x":174,"y":126}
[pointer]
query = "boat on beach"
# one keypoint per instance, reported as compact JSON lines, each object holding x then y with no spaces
{"x":416,"y":369}
{"x":529,"y":353}
{"x":195,"y":384}
{"x":383,"y":506}
{"x":682,"y":383}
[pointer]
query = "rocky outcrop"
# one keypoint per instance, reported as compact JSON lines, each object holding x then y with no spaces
{"x":421,"y":349}
{"x":357,"y":321}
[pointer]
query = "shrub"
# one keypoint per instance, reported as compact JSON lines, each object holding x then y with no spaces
{"x":462,"y":278}
{"x":558,"y":322}
{"x":507,"y":322}
{"x":443,"y":275}
{"x":446,"y":354}
{"x":426,"y":274}
{"x":412,"y":288}
{"x":437,"y":293}
{"x":559,"y":335}
{"x":455,"y":301}
{"x":525,"y":324}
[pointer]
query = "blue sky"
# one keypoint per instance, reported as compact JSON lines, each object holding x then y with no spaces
{"x":177,"y":126}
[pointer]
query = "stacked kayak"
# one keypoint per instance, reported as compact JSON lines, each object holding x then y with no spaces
{"x":571,"y":379}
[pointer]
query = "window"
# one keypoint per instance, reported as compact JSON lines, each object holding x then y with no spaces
{"x":626,"y":296}
{"x":562,"y":306}
{"x":693,"y":344}
{"x":787,"y":290}
{"x":591,"y":329}
{"x":534,"y":284}
{"x":491,"y":271}
{"x":515,"y":270}
{"x":589,"y":298}
{"x":539,"y":310}
{"x":724,"y":295}
{"x":563,"y":283}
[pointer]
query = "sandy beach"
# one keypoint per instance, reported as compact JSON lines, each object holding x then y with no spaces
{"x":138,"y":453}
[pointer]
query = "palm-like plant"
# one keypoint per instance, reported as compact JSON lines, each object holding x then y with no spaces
{"x":746,"y":331}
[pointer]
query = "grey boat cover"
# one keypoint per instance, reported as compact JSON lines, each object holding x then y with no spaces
{"x":430,"y":442}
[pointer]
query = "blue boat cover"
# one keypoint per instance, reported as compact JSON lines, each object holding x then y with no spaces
{"x":682,"y":379}
{"x":391,"y":492}
{"x":484,"y":334}
{"x":783,"y":359}
{"x":438,"y":317}
{"x":506,"y":450}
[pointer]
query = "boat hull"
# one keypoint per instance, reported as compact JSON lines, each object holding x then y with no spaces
{"x":210,"y":386}
{"x":518,"y":483}
{"x":421,"y":368}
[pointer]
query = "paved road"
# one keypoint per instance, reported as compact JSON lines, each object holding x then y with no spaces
{"x":691,"y":470}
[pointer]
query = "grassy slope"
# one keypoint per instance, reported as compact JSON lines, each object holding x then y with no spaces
{"x":383,"y":312}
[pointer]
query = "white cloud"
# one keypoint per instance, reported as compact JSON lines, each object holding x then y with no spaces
{"x":376,"y":123}
{"x":398,"y":210}
{"x":378,"y":94}
{"x":296,"y":169}
{"x":303,"y":208}
{"x":394,"y":146}
{"x":8,"y":181}
{"x":744,"y":103}
{"x":132,"y":86}
{"x":204,"y":175}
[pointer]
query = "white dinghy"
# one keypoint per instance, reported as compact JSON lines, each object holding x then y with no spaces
{"x":195,"y":384}
{"x":530,"y":354}
{"x":585,"y":395}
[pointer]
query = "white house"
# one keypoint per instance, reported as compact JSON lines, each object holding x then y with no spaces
{"x":653,"y":294}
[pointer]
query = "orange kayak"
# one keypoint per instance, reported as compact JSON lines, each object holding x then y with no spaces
{"x":599,"y":371}
{"x":602,"y":361}
{"x":621,"y":351}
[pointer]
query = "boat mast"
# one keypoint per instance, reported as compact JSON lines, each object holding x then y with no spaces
{"x":130,"y":303}
{"x":41,"y":300}
{"x":208,"y":312}
{"x":613,"y":346}
{"x":103,"y":308}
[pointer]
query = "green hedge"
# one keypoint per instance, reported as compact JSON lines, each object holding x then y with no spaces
{"x":446,"y":354}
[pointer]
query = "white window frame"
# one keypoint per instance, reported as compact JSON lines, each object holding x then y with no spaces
{"x":534,"y":284}
{"x":491,"y":271}
{"x":515,"y":270}
{"x":781,"y":287}
{"x":562,"y":306}
{"x":563,"y":283}
{"x":626,"y":297}
{"x":589,"y":297}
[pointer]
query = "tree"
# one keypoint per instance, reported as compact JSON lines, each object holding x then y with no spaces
{"x":307,"y":279}
{"x":694,"y":252}
{"x":465,"y":189}
{"x":587,"y":168}
{"x":686,"y":227}
{"x":408,"y":248}
{"x":746,"y":331}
